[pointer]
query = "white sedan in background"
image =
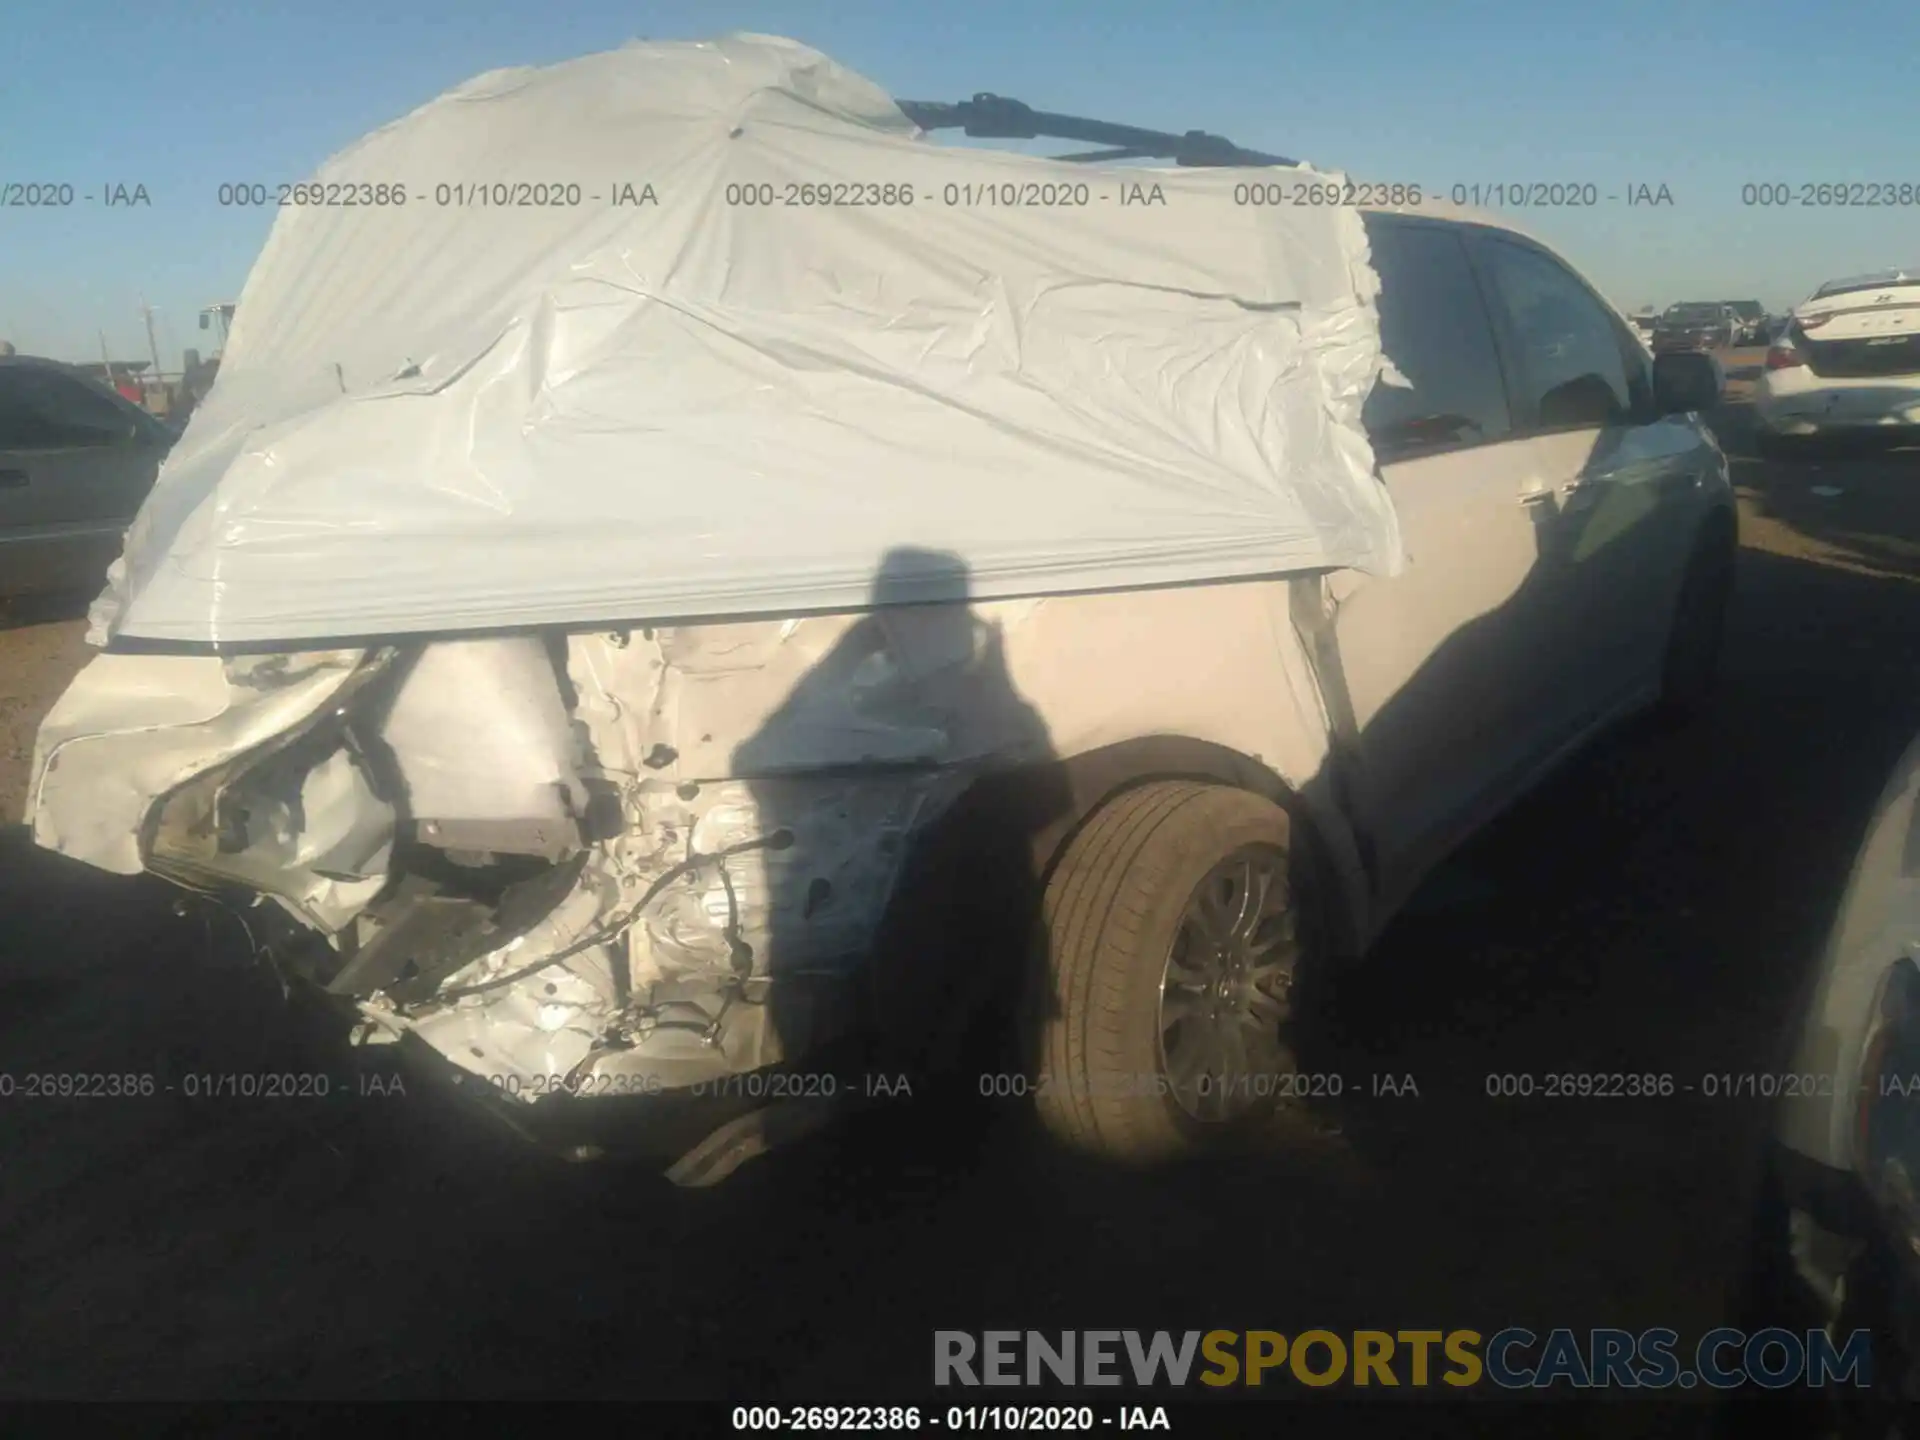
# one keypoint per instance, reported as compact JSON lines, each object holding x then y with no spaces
{"x":1847,"y":364}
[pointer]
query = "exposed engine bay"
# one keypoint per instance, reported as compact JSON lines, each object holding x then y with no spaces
{"x":509,"y":848}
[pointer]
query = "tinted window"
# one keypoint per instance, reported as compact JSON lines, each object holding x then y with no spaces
{"x":1574,"y":370}
{"x":1435,"y":331}
{"x":42,"y":409}
{"x":1881,"y":280}
{"x":18,"y":423}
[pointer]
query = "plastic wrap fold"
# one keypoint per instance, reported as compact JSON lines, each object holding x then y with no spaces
{"x":707,"y":330}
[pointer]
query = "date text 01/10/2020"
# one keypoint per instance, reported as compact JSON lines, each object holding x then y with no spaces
{"x":908,"y":1419}
{"x":1275,"y":1085}
{"x":199,"y":1085}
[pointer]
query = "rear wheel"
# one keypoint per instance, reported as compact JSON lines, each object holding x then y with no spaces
{"x":1175,"y":941}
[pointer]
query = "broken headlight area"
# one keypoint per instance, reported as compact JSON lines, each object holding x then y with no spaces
{"x":299,"y":819}
{"x":473,"y":866}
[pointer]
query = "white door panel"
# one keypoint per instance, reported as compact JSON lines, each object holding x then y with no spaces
{"x":1448,"y":666}
{"x":1626,"y":531}
{"x":1625,"y":487}
{"x":1447,"y":662}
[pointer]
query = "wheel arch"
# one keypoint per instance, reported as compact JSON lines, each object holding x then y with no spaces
{"x":1098,"y":776}
{"x":1037,"y":809}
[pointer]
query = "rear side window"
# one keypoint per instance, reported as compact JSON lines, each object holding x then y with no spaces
{"x":19,"y":426}
{"x":39,"y":410}
{"x":1573,"y":366}
{"x":1436,"y":334}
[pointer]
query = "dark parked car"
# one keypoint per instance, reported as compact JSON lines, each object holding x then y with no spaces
{"x":1695,"y":325}
{"x":76,"y":460}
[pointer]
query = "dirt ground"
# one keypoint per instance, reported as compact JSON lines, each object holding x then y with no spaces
{"x":1651,"y":911}
{"x":42,"y":647}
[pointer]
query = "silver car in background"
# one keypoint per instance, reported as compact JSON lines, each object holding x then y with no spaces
{"x":76,"y":460}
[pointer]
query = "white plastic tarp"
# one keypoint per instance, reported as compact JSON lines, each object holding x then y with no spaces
{"x":699,"y":330}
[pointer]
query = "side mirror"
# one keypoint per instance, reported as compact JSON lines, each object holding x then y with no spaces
{"x":1686,"y":380}
{"x":206,"y":321}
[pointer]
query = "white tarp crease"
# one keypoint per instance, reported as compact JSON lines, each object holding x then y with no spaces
{"x":575,"y":377}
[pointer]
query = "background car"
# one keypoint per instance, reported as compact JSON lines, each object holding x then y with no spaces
{"x":76,"y":460}
{"x":1694,"y":325}
{"x":1750,"y":322}
{"x":1848,"y":364}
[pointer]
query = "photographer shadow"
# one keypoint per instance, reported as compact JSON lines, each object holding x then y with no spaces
{"x":916,"y":697}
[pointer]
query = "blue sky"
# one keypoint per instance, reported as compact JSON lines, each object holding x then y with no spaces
{"x":1702,"y":97}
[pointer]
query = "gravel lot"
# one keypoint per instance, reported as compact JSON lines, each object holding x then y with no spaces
{"x":42,"y":647}
{"x":1650,"y":911}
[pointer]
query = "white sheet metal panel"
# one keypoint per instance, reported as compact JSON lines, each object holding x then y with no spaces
{"x":574,"y":377}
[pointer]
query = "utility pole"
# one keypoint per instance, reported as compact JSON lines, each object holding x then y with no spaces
{"x":146,"y":312}
{"x":106,"y":360}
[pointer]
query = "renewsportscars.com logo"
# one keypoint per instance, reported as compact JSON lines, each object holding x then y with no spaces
{"x":1512,"y":1359}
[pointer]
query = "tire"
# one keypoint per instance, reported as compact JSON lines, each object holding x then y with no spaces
{"x":1691,"y":666}
{"x":1114,"y":1072}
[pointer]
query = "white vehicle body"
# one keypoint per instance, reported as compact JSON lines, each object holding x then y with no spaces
{"x":1838,"y":1227}
{"x":1848,"y":362}
{"x":694,"y":843}
{"x":1876,"y":932}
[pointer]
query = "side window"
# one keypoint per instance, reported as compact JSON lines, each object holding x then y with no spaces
{"x":1436,"y":334}
{"x":1573,"y":365}
{"x":19,"y":425}
{"x":53,"y":411}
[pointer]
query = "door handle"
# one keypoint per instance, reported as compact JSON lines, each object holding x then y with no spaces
{"x":13,"y":479}
{"x":1578,"y":493}
{"x":1578,"y":486}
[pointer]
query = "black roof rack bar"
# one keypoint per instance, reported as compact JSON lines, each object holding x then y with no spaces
{"x":994,"y":117}
{"x":1089,"y":157}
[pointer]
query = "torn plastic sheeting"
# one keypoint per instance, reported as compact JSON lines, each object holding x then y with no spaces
{"x":443,"y":415}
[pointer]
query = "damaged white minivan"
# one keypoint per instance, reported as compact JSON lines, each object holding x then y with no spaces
{"x":694,"y":589}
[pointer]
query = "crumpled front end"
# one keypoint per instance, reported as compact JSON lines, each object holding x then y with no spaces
{"x":598,"y":864}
